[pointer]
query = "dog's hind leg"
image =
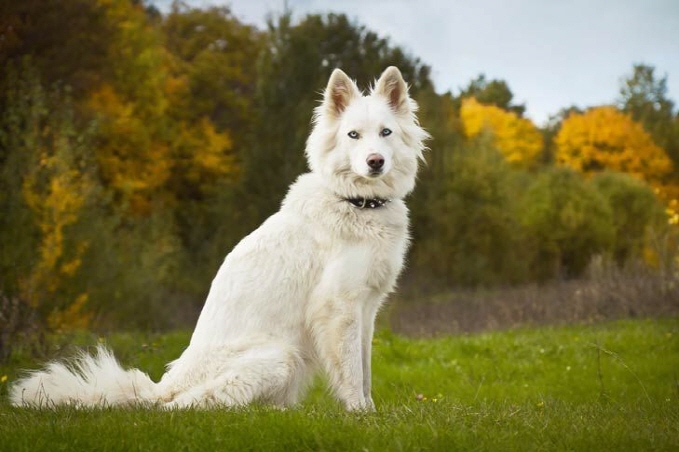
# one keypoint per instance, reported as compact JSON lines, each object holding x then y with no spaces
{"x":267,"y":373}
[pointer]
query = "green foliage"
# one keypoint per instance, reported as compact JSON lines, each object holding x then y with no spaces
{"x":23,"y":106}
{"x":215,"y":63}
{"x":49,"y":180}
{"x":645,"y":97}
{"x":471,"y":233}
{"x":493,"y":92}
{"x":634,"y":207}
{"x":597,"y":388}
{"x":568,"y":222}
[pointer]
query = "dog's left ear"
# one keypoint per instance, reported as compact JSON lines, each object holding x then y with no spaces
{"x":392,"y":86}
{"x":341,"y":90}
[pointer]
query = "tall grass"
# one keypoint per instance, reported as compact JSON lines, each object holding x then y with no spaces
{"x":606,"y":293}
{"x":611,"y":386}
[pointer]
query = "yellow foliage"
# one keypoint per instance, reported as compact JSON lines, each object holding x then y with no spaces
{"x":139,"y":56}
{"x":517,"y":138}
{"x":133,"y":161}
{"x":672,"y":212}
{"x":72,"y":318}
{"x":212,"y":157}
{"x":605,"y":138}
{"x":56,"y":206}
{"x":55,"y":191}
{"x":205,"y":154}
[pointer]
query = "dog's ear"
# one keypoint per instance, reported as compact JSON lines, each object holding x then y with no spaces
{"x":340,"y":91}
{"x":392,"y":86}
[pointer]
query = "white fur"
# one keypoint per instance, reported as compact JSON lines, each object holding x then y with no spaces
{"x":298,"y":294}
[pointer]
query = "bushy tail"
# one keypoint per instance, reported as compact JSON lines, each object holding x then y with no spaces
{"x":88,"y":380}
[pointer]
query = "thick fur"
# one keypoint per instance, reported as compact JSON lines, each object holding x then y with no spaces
{"x":301,"y":292}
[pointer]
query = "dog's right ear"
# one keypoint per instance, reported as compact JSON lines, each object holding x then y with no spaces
{"x":341,"y":90}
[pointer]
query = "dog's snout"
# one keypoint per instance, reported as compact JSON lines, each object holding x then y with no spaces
{"x":375,"y":161}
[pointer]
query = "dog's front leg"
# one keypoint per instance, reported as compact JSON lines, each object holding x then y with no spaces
{"x":368,"y":327}
{"x":338,"y":338}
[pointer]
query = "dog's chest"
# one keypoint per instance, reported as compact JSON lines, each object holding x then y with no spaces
{"x":371,"y":260}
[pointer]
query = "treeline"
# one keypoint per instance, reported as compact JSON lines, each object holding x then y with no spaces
{"x":137,"y":148}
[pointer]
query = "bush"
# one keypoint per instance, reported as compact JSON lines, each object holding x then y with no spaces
{"x":633,"y":206}
{"x":471,"y":236}
{"x":568,"y":221}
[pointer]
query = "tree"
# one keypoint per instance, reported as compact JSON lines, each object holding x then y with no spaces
{"x":604,"y":138}
{"x":493,"y":92}
{"x":645,"y":98}
{"x":215,"y":65}
{"x":48,"y":182}
{"x":517,"y":138}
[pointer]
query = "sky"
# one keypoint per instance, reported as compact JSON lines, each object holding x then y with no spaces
{"x":552,"y":53}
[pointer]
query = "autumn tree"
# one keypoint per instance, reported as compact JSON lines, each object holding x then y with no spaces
{"x":131,"y":256}
{"x":215,"y":62}
{"x":551,"y":129}
{"x":212,"y":80}
{"x":111,"y":59}
{"x":517,"y":138}
{"x":48,"y":181}
{"x":604,"y":138}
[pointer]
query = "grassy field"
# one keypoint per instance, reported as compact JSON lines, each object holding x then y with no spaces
{"x":611,"y":386}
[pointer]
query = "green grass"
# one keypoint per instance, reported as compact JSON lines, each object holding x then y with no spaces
{"x":612,"y":386}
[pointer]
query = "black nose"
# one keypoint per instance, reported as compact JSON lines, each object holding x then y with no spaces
{"x":375,"y":161}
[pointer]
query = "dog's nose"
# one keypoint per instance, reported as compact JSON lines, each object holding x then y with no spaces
{"x":375,"y":161}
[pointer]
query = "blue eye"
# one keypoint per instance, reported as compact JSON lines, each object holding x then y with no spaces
{"x":353,"y":135}
{"x":385,"y":132}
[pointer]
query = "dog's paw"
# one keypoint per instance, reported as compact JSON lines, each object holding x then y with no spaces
{"x":361,"y":406}
{"x":370,"y":405}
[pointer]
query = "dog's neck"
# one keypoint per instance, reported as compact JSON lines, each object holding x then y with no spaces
{"x":367,"y":203}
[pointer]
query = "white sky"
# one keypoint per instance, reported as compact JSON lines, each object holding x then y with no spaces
{"x":552,"y":53}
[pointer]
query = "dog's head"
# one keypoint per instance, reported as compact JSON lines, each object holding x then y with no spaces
{"x":367,"y":145}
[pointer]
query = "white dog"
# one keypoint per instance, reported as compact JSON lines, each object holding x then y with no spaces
{"x":302,"y":291}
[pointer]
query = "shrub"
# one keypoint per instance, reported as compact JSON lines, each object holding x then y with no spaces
{"x":472,"y":236}
{"x":633,"y":206}
{"x":568,"y":222}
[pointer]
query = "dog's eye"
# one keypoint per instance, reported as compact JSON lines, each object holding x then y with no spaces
{"x":353,"y":135}
{"x":385,"y":132}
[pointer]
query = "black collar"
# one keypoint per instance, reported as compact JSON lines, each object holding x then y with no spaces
{"x":367,"y":203}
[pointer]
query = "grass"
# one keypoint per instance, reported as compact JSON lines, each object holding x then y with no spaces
{"x":611,"y":386}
